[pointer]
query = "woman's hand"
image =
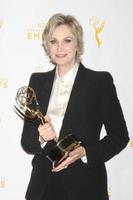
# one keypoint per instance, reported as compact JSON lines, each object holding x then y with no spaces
{"x":74,"y":155}
{"x":46,"y":131}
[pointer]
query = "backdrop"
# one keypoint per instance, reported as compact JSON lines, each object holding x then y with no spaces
{"x":108,"y":35}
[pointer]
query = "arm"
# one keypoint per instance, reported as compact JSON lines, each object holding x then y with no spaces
{"x":29,"y":139}
{"x":114,"y":123}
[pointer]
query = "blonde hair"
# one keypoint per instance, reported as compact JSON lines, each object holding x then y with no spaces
{"x":75,"y":27}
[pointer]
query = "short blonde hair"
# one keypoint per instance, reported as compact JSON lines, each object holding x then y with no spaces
{"x":75,"y":27}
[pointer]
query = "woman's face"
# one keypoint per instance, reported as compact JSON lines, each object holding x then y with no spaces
{"x":62,"y":46}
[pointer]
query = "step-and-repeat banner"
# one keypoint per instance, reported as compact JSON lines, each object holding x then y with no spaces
{"x":108,"y":35}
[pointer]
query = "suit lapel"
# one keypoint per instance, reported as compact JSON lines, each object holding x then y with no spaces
{"x":78,"y":86}
{"x":46,"y":91}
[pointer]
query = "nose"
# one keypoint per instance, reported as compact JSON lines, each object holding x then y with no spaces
{"x":60,"y":46}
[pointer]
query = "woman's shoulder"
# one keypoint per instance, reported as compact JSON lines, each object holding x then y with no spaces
{"x":43,"y":74}
{"x":40,"y":78}
{"x":98,"y":75}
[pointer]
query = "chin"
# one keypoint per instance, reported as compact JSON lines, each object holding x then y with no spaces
{"x":60,"y":62}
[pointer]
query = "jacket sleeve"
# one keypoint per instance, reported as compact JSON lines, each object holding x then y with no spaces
{"x":30,"y":136}
{"x":116,"y":137}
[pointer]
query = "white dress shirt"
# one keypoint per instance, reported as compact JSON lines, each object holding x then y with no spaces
{"x":59,"y":98}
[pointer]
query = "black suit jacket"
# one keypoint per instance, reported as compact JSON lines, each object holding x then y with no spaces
{"x":93,"y":103}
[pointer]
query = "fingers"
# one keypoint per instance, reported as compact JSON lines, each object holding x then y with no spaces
{"x":47,"y":118}
{"x":46,"y":131}
{"x":74,"y":155}
{"x":63,"y":165}
{"x":78,"y":151}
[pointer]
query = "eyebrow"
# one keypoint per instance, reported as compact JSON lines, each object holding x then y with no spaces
{"x":70,"y":36}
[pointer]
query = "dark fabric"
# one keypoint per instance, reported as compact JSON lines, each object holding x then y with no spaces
{"x":55,"y":189}
{"x":93,"y":103}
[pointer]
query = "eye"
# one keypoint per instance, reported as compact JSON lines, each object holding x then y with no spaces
{"x":52,"y":41}
{"x":68,"y":40}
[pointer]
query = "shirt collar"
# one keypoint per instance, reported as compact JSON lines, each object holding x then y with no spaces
{"x":69,"y":75}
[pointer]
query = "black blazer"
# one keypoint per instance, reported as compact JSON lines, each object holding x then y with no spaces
{"x":93,"y":103}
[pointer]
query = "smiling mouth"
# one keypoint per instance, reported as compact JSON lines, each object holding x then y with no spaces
{"x":61,"y":55}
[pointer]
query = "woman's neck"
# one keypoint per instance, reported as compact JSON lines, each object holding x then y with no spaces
{"x":62,"y":70}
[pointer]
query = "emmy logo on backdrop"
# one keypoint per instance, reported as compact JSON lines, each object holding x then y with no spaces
{"x":28,"y":108}
{"x":2,"y":183}
{"x":36,"y":33}
{"x":1,"y":23}
{"x":0,"y":119}
{"x":3,"y":83}
{"x":98,"y":28}
{"x":131,"y":142}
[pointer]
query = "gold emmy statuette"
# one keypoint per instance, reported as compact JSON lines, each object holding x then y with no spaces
{"x":28,"y":108}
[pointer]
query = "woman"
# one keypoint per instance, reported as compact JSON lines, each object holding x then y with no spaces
{"x":74,"y":100}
